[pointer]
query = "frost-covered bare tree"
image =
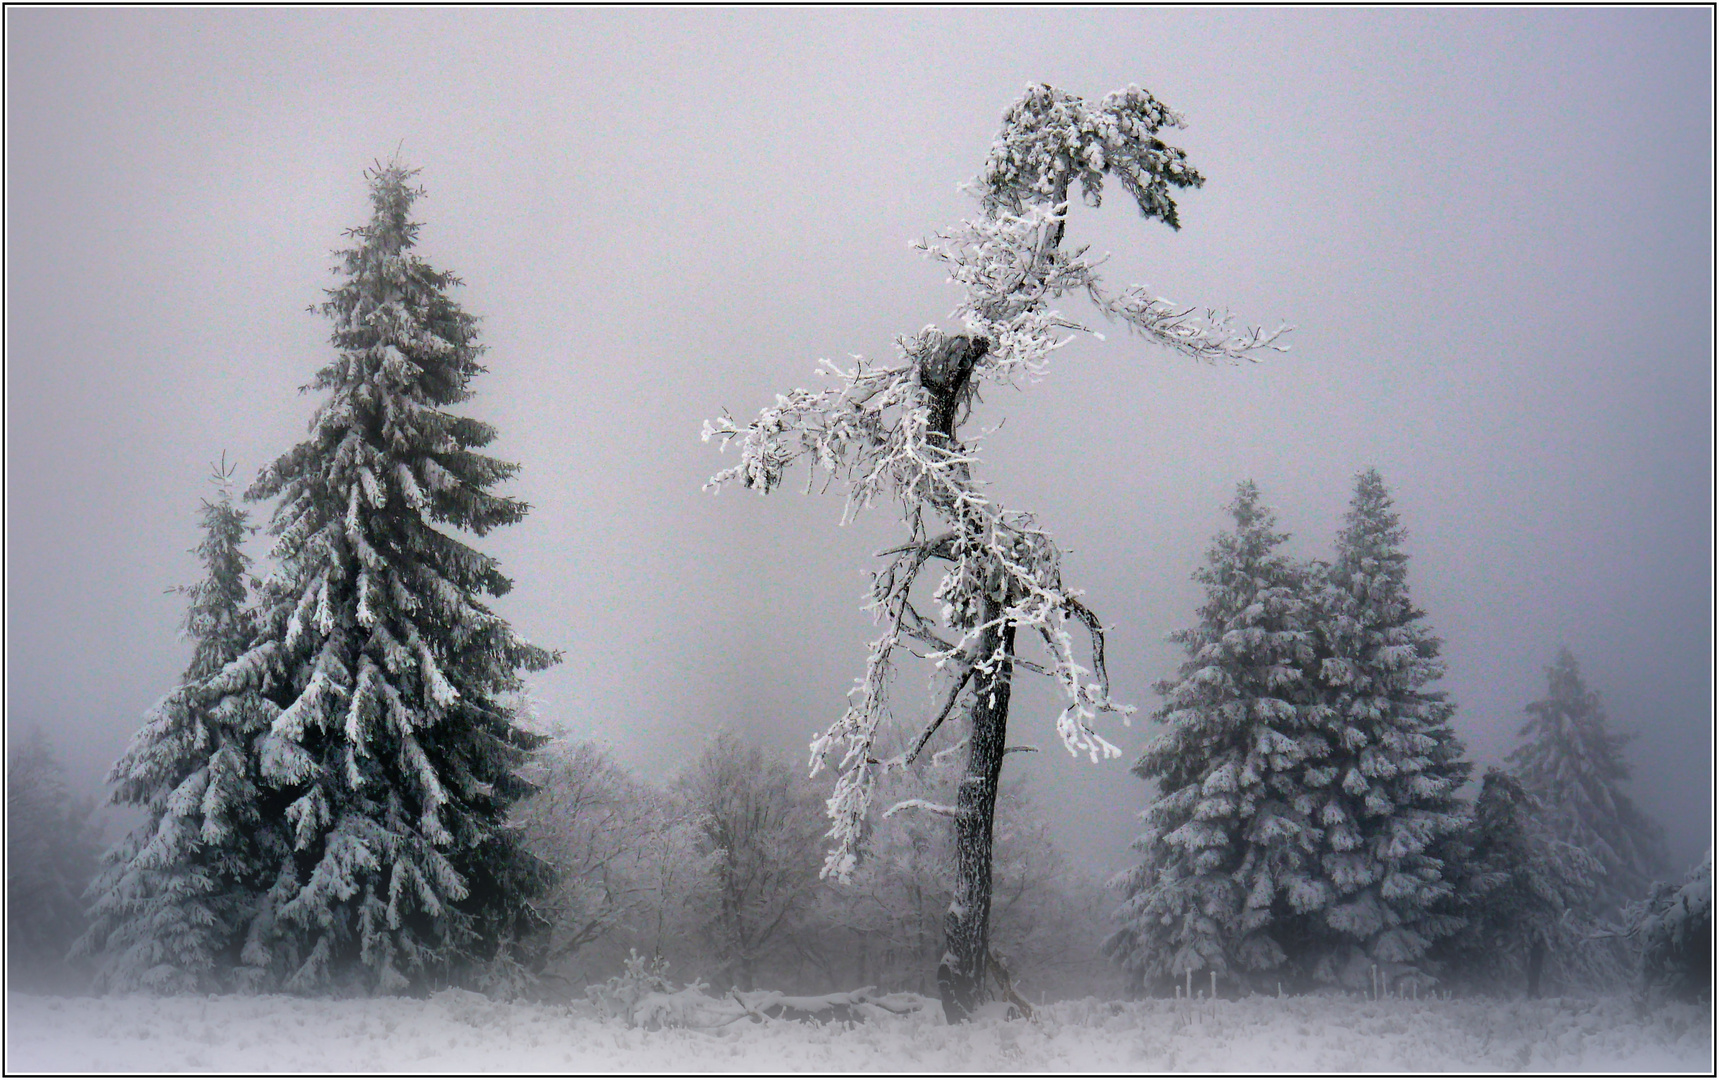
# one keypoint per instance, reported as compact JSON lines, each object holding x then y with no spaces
{"x":890,"y":431}
{"x":632,"y":873}
{"x":759,"y":826}
{"x":887,"y":916}
{"x":675,"y":874}
{"x":594,"y":824}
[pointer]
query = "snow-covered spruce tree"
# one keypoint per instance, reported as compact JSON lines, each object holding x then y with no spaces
{"x":1576,"y":768}
{"x":394,"y":759}
{"x":1673,"y":928}
{"x":177,"y":896}
{"x":1228,"y":845}
{"x":1385,"y":798}
{"x":890,"y":431}
{"x":1523,"y":897}
{"x":51,"y":855}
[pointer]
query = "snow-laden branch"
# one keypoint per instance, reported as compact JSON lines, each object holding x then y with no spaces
{"x":938,"y":809}
{"x":1012,"y":270}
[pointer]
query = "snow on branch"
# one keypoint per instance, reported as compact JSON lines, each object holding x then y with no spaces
{"x":928,"y":807}
{"x":1012,"y":269}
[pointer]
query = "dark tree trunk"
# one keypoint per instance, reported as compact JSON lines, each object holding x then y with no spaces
{"x":947,"y":373}
{"x":967,"y":926}
{"x":1536,"y":965}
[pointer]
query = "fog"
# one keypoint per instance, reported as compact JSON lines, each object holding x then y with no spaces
{"x":1492,"y":231}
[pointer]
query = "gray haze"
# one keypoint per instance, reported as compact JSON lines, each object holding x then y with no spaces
{"x":1492,"y":229}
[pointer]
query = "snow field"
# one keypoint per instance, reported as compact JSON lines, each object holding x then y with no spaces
{"x":460,"y":1032}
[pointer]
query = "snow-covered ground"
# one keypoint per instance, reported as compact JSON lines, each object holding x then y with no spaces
{"x":458,"y":1032}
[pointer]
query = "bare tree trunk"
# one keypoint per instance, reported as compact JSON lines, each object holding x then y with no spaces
{"x":967,"y":926}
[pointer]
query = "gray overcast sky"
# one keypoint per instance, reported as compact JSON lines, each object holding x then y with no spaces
{"x":1493,"y":230}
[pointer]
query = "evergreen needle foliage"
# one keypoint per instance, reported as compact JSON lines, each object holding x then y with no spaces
{"x":1387,"y":795}
{"x":1306,"y":778}
{"x":393,"y":760}
{"x":1524,"y":897}
{"x":1228,"y":838}
{"x":1576,"y":768}
{"x":176,"y":896}
{"x":1673,"y":928}
{"x":51,"y":853}
{"x":329,"y":790}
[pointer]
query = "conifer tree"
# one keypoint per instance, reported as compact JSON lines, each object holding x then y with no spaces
{"x":1673,"y":927}
{"x":1228,"y":841}
{"x":393,"y":761}
{"x":1576,"y":768}
{"x":1523,"y":895}
{"x":177,"y":894}
{"x":1387,"y":794}
{"x":51,"y":855}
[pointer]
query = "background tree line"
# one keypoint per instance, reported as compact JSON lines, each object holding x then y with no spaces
{"x":715,"y":873}
{"x":1306,"y":686}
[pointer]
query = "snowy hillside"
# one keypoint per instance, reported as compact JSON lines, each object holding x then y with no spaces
{"x":459,"y":1032}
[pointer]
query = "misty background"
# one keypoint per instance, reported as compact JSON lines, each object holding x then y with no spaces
{"x":1493,"y":231}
